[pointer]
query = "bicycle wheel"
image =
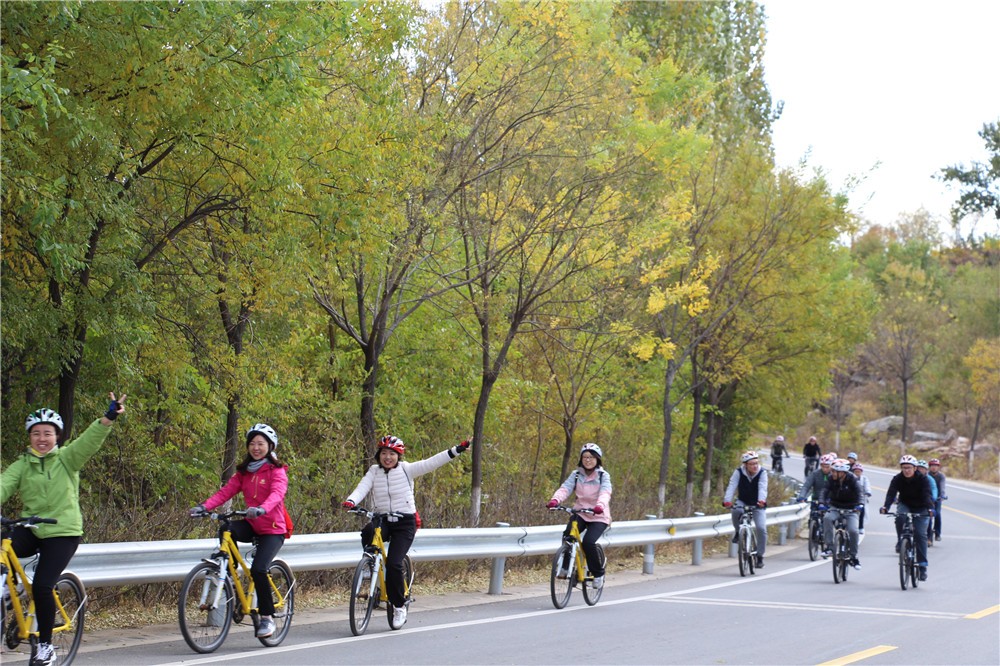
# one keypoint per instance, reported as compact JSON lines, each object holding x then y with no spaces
{"x":838,"y":552}
{"x":742,"y":544}
{"x":284,"y":601}
{"x":904,"y":562}
{"x":562,"y":589}
{"x":71,"y":607}
{"x":815,"y":539}
{"x":844,"y":556}
{"x":364,"y":595}
{"x":591,"y":594}
{"x":205,"y":624}
{"x":913,"y":566}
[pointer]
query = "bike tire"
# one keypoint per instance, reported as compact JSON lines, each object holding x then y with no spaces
{"x":914,"y":569}
{"x":837,"y":555}
{"x":204,"y":629}
{"x":844,"y":556}
{"x":71,"y":605}
{"x":904,"y":563}
{"x":592,"y":595}
{"x":284,"y":602}
{"x":562,"y":589}
{"x":814,"y":539}
{"x":363,"y":598}
{"x":741,"y":554}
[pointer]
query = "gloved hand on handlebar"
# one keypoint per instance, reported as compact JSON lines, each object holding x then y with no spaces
{"x":860,"y":507}
{"x":348,"y":504}
{"x":255,"y":512}
{"x":196,"y":511}
{"x":761,"y":503}
{"x":823,"y":507}
{"x":552,"y":504}
{"x":727,"y":504}
{"x":883,"y":510}
{"x":598,"y":509}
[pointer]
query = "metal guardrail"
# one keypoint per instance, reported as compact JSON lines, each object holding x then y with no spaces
{"x":136,"y":562}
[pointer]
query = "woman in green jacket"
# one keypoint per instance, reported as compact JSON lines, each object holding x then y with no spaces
{"x":47,"y":477}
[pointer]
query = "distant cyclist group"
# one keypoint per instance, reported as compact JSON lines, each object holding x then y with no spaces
{"x":47,"y":478}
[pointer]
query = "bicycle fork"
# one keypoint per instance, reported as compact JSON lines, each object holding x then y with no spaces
{"x":212,"y":589}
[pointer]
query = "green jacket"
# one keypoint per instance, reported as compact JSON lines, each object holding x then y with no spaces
{"x":50,"y":486}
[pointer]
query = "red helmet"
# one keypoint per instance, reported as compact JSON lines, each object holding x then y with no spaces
{"x":933,"y":461}
{"x":393,"y":443}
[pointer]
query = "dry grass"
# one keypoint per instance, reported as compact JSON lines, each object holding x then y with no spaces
{"x":138,"y":606}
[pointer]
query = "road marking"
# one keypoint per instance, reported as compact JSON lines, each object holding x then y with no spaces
{"x":830,"y":608}
{"x":983,"y":613}
{"x":858,"y":656}
{"x":970,"y":515}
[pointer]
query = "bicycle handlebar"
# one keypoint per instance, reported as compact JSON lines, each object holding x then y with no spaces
{"x":30,"y":521}
{"x":568,"y":509}
{"x":216,"y":515}
{"x":369,"y":513}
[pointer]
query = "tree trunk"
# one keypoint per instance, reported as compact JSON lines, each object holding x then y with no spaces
{"x":692,"y":443}
{"x":906,"y":407}
{"x":569,"y":428}
{"x":232,"y":450}
{"x":368,"y":387}
{"x":711,"y":422}
{"x":668,"y":425}
{"x":972,"y":442}
{"x":489,"y":380}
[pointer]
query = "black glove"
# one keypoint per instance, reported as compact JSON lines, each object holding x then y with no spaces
{"x":255,"y":512}
{"x":112,"y":412}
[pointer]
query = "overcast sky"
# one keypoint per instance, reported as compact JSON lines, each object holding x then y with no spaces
{"x":889,"y":90}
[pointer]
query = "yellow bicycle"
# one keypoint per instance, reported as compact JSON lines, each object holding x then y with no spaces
{"x":368,"y":585}
{"x":219,"y":591}
{"x":19,"y":622}
{"x":569,"y":566}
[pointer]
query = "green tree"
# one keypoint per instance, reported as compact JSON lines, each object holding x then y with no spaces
{"x":979,"y":182}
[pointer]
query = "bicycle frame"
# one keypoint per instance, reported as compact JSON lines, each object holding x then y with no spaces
{"x":381,"y":556}
{"x":234,"y":563}
{"x":24,"y":617}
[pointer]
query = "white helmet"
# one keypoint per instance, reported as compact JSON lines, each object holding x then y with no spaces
{"x":908,"y":460}
{"x":827,"y":459}
{"x":748,"y":456}
{"x":265,"y":430}
{"x":779,"y":438}
{"x":594,"y":449}
{"x":43,"y":415}
{"x":841,"y":465}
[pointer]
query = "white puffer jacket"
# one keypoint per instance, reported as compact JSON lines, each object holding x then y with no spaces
{"x":391,"y":489}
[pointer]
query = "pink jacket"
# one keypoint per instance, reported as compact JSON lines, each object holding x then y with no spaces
{"x":264,"y":488}
{"x":591,"y":490}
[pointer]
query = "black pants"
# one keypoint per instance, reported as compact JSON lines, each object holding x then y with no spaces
{"x":399,"y":535}
{"x":590,"y":532}
{"x":54,"y":554}
{"x":268,"y":546}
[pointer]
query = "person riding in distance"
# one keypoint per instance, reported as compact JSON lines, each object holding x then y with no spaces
{"x":47,"y":478}
{"x":939,"y":478}
{"x":263,"y":480}
{"x":842,"y":492}
{"x":866,"y":492}
{"x":748,"y":484}
{"x":390,"y":482}
{"x":778,"y":450}
{"x":914,"y":493}
{"x":811,"y":453}
{"x":592,"y":485}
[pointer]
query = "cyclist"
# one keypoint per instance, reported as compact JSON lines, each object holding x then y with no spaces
{"x":263,"y":480}
{"x":778,"y":451}
{"x":842,"y":492}
{"x":748,"y":485}
{"x":817,"y":480}
{"x":866,"y":492}
{"x":852,"y":459}
{"x":592,"y":485}
{"x":924,"y":469}
{"x":811,"y":453}
{"x":47,"y":477}
{"x":914,"y":493}
{"x":390,"y":482}
{"x":939,"y":478}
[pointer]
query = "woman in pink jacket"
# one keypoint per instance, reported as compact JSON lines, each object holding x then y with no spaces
{"x":592,"y":485}
{"x":263,"y":481}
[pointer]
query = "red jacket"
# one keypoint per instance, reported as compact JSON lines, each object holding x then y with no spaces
{"x":264,"y":488}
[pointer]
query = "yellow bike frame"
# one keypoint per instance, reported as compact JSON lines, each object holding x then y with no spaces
{"x":581,"y":565}
{"x":14,"y":574}
{"x":228,"y":549}
{"x":383,"y":555}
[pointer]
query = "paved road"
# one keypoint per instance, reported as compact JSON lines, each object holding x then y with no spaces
{"x":790,"y":613}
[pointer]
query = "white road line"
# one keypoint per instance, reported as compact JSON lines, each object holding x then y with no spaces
{"x":826,"y":608}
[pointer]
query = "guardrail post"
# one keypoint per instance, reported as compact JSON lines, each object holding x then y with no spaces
{"x":496,"y":575}
{"x":696,"y":546}
{"x":648,"y":553}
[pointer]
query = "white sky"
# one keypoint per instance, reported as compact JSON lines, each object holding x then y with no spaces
{"x":905,"y":85}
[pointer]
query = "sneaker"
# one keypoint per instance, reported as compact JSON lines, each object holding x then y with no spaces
{"x":856,"y":563}
{"x":266,"y":627}
{"x":897,"y":548}
{"x":937,"y":537}
{"x":45,"y":655}
{"x":861,"y":531}
{"x":759,"y":562}
{"x":398,"y":617}
{"x":733,"y":540}
{"x":922,"y":575}
{"x":598,"y":582}
{"x":826,"y":553}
